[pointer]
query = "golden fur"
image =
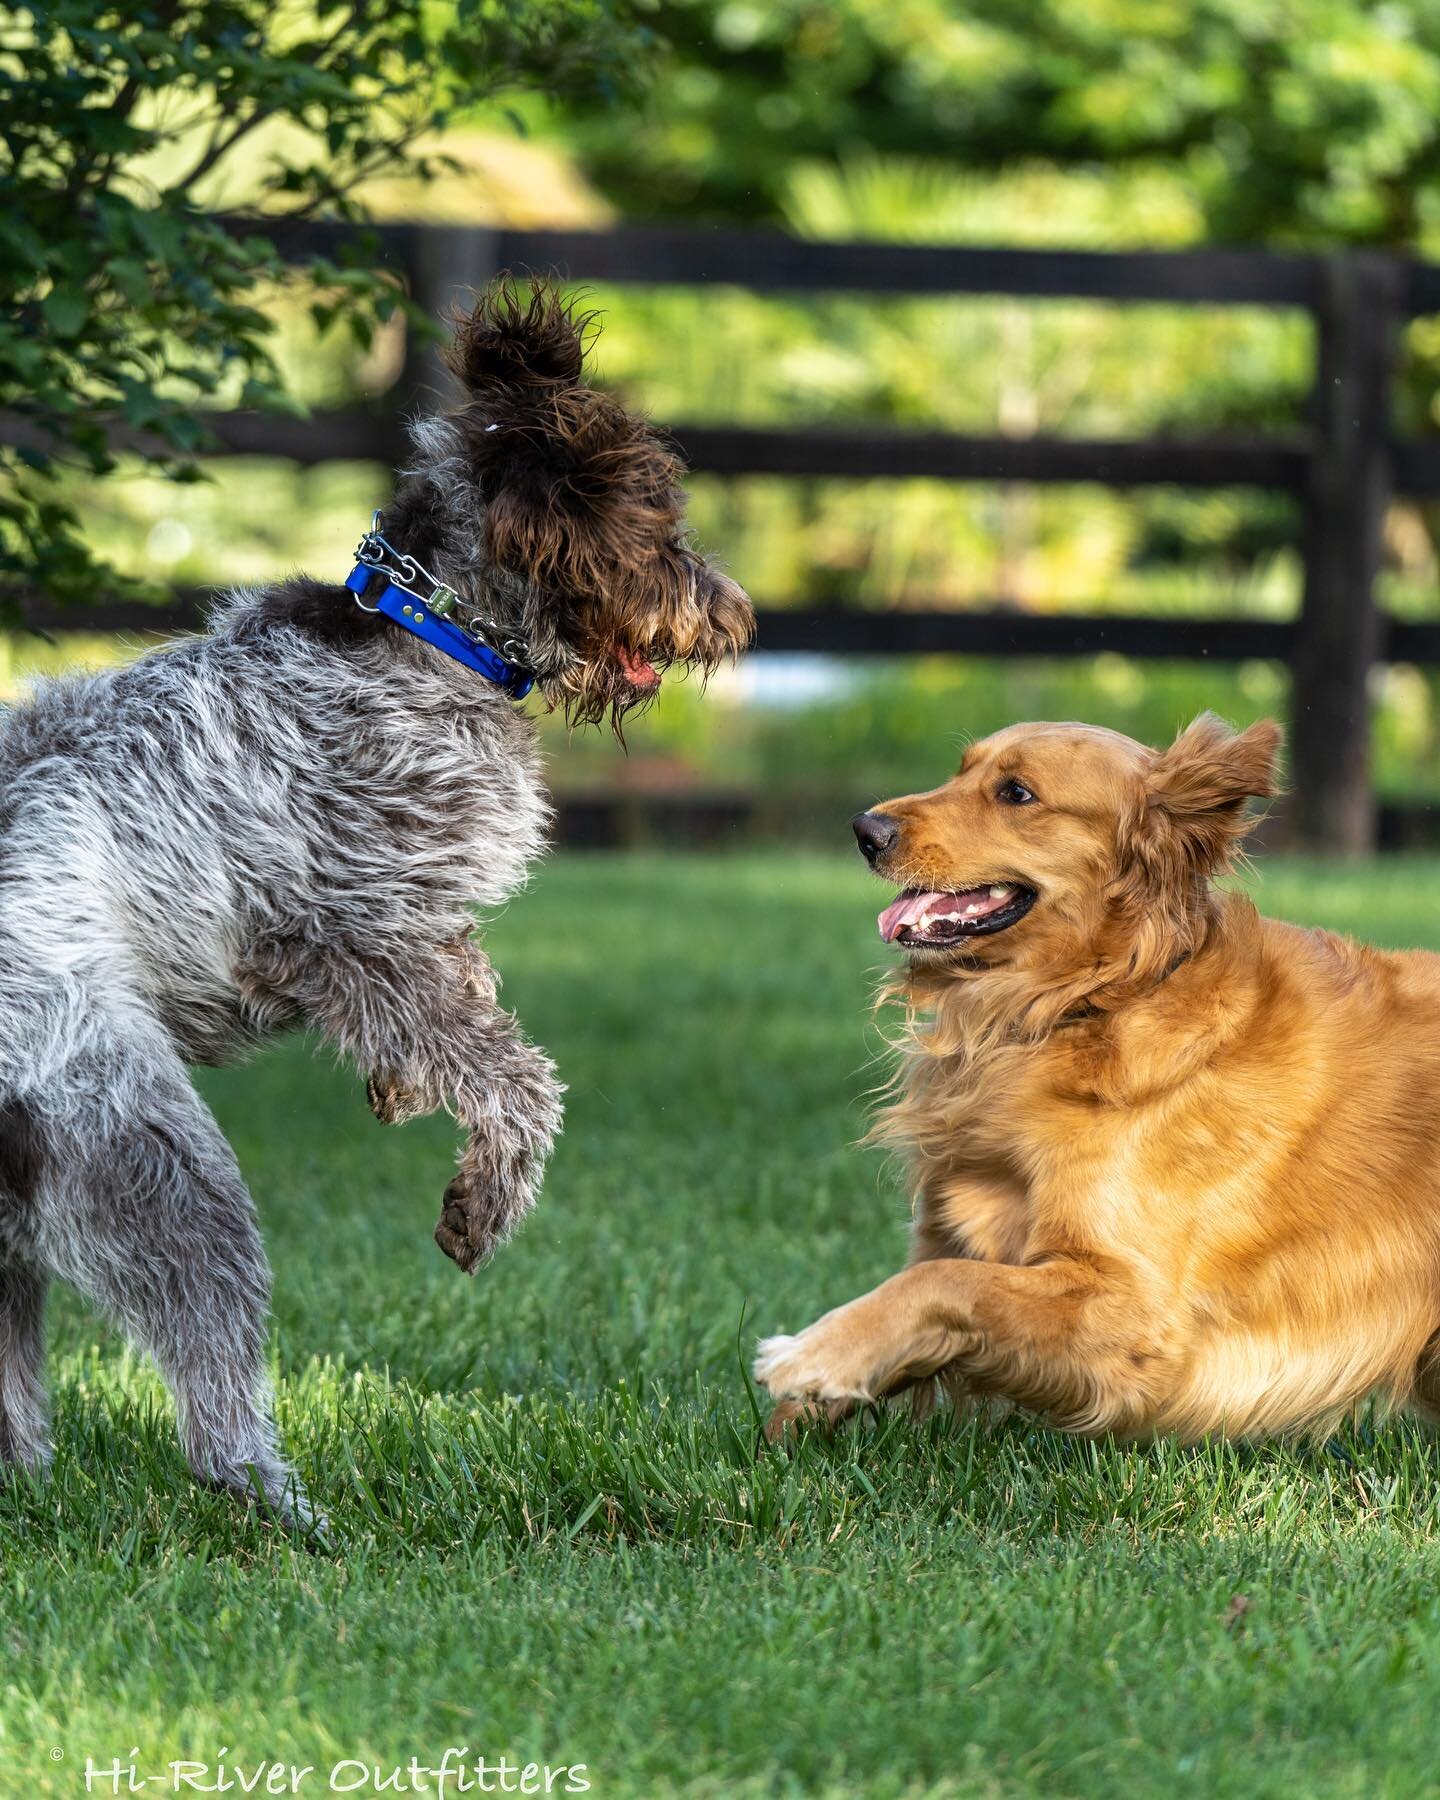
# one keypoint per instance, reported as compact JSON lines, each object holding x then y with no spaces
{"x":1176,"y":1167}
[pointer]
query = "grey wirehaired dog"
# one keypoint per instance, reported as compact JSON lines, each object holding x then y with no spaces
{"x":290,"y":820}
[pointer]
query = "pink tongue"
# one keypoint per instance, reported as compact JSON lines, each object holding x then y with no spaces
{"x":638,"y":671}
{"x":909,"y":909}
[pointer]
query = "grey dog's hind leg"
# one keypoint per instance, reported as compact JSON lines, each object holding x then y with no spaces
{"x":24,"y":1425}
{"x":141,"y":1206}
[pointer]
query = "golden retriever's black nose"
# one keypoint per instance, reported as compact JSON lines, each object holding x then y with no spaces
{"x":875,"y":833}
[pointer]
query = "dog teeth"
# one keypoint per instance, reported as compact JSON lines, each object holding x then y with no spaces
{"x":954,"y":911}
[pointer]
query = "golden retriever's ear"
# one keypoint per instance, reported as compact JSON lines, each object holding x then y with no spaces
{"x":1193,"y":814}
{"x":1211,"y":768}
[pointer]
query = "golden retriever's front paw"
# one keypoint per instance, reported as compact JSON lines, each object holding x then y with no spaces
{"x":790,"y":1417}
{"x":817,"y":1364}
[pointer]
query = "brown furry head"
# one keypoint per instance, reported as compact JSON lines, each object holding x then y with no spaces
{"x":575,"y":511}
{"x":1064,"y":865}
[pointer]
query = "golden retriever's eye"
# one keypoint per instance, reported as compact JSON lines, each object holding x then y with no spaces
{"x":1014,"y":793}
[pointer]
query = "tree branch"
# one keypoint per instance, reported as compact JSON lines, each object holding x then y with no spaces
{"x":220,"y":146}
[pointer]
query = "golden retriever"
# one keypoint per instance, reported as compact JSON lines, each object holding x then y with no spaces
{"x":1176,"y":1167}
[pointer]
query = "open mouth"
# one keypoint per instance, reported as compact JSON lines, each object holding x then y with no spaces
{"x":640,"y":672}
{"x":924,"y":919}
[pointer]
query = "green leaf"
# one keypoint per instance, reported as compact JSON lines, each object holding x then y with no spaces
{"x":132,"y":278}
{"x":66,"y":309}
{"x":265,"y":396}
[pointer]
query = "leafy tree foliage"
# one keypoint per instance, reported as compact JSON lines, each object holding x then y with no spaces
{"x":1298,"y":123}
{"x":1288,"y":121}
{"x":124,"y":309}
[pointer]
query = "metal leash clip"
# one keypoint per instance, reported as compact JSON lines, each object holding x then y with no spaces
{"x":376,"y":552}
{"x":486,"y":631}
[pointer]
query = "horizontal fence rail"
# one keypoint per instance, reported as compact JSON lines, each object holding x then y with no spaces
{"x":770,"y":262}
{"x":1342,"y":469}
{"x":847,"y":631}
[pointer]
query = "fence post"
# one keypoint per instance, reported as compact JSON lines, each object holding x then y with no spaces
{"x":448,"y":264}
{"x":1339,"y":634}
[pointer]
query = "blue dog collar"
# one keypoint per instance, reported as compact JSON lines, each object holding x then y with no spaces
{"x":423,"y":615}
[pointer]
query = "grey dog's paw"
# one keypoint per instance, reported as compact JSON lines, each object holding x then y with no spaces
{"x":465,"y":1229}
{"x":391,"y":1101}
{"x":484,"y":1203}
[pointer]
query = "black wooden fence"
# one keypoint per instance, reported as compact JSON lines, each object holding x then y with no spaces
{"x":1343,"y":467}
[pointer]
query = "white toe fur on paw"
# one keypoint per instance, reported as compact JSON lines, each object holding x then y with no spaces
{"x":770,"y":1354}
{"x":790,"y":1368}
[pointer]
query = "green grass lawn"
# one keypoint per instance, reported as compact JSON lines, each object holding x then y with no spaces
{"x":554,"y":1540}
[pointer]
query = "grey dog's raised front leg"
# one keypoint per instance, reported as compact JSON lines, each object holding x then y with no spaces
{"x":508,"y":1097}
{"x":426,"y":1026}
{"x":393,"y":1099}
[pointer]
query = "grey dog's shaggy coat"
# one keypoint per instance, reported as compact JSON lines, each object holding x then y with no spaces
{"x":290,"y":820}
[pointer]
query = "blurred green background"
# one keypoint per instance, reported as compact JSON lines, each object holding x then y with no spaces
{"x":1098,"y":124}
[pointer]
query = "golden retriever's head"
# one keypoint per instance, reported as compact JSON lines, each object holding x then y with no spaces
{"x":1065,"y":848}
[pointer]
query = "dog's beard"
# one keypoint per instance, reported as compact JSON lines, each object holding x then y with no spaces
{"x":591,"y":694}
{"x":611,"y":680}
{"x":612,"y":687}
